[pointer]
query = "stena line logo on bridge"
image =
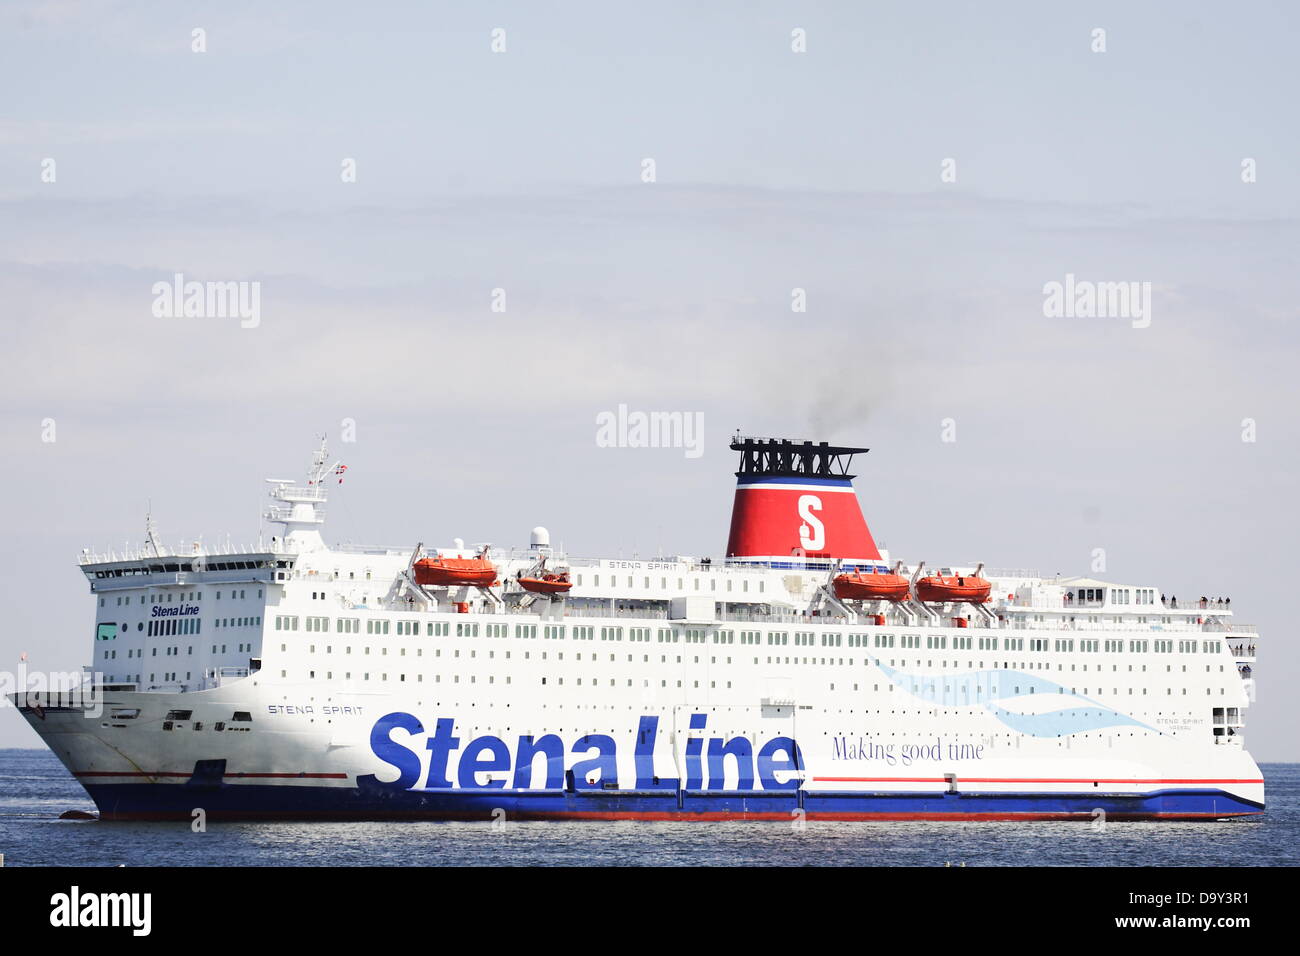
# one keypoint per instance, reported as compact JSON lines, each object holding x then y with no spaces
{"x":174,"y":610}
{"x":454,"y":762}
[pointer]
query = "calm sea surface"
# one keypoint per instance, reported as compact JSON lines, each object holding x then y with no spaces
{"x":35,"y":789}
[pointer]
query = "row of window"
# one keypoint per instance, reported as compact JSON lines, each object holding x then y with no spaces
{"x":663,"y":583}
{"x":1025,"y":621}
{"x":197,"y":563}
{"x":924,"y":691}
{"x":1138,"y":595}
{"x":491,"y":679}
{"x":918,"y":687}
{"x":251,"y":621}
{"x":174,"y":625}
{"x":937,"y":641}
{"x":1117,"y":595}
{"x":770,"y":660}
{"x":173,"y":651}
{"x":928,"y":690}
{"x":606,"y":633}
{"x":695,"y":635}
{"x":174,"y":597}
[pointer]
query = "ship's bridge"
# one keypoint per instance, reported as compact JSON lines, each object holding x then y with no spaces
{"x":111,"y":572}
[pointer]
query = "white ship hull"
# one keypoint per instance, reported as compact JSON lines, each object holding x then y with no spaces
{"x":310,"y":751}
{"x":298,"y":681}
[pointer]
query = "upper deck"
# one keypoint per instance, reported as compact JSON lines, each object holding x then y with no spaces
{"x":371,"y":578}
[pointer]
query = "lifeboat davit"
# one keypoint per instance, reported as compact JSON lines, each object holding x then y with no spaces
{"x":547,"y":583}
{"x":937,"y":589}
{"x":873,"y":586}
{"x":455,"y":572}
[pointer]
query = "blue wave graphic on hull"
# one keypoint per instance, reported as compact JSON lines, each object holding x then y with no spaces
{"x":986,"y":686}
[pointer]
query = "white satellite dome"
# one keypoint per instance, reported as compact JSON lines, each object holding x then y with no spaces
{"x":540,"y":538}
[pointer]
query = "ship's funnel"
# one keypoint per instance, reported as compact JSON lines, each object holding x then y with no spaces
{"x":796,"y":500}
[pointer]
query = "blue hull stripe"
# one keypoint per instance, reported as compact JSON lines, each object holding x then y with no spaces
{"x":253,"y":801}
{"x":747,"y":481}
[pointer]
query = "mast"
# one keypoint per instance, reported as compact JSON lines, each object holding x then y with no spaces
{"x":156,"y":547}
{"x":301,"y":508}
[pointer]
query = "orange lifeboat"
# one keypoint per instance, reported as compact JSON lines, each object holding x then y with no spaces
{"x":455,"y":572}
{"x":547,"y":583}
{"x":872,"y":586}
{"x":937,"y":589}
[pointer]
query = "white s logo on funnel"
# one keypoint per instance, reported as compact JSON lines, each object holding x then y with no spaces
{"x":812,"y":534}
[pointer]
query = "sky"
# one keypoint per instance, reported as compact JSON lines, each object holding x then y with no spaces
{"x":774,"y":170}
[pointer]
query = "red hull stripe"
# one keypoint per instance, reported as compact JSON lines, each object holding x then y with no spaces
{"x":961,"y":779}
{"x":188,"y":774}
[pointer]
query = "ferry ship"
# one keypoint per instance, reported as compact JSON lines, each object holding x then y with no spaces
{"x":803,"y":674}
